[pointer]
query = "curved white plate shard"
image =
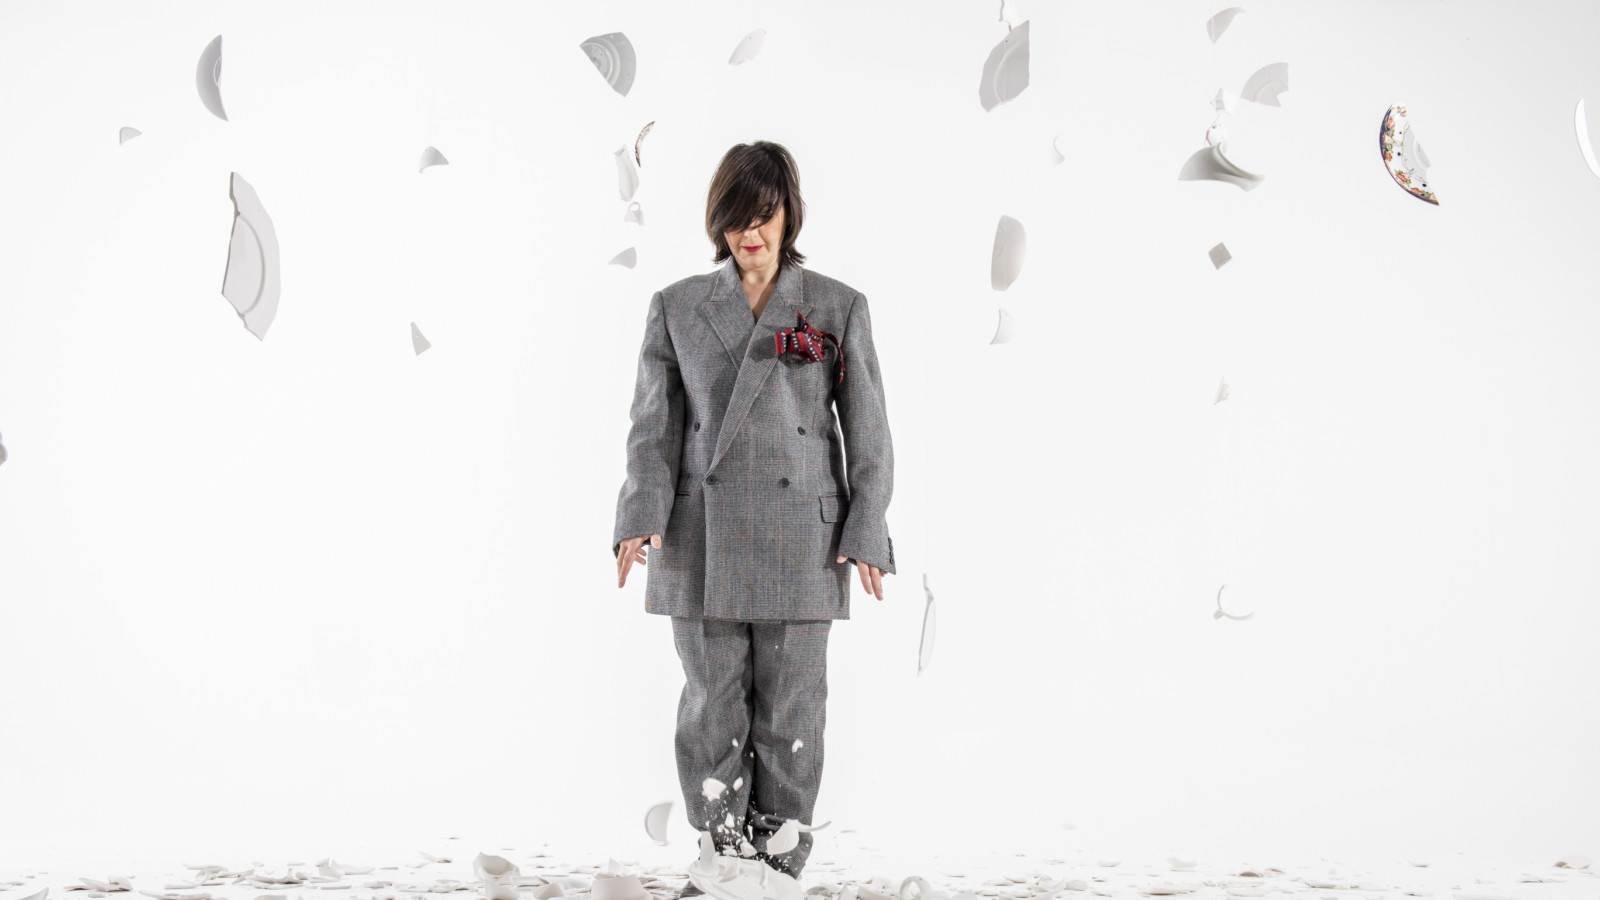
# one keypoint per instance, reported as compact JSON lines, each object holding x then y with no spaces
{"x":628,"y":257}
{"x":1220,"y":256}
{"x":1222,"y":612}
{"x":418,"y":342}
{"x":655,"y":821}
{"x":1002,"y":332}
{"x":636,"y":141}
{"x":1219,"y":23}
{"x":1580,"y":123}
{"x":627,"y":175}
{"x":1055,"y":149}
{"x":1005,"y":72}
{"x":613,"y":57}
{"x":786,"y":838}
{"x":1266,"y":84}
{"x":1009,"y":13}
{"x":1210,"y":164}
{"x":711,"y":788}
{"x":251,"y":280}
{"x":748,"y":47}
{"x":1402,"y":154}
{"x":487,"y":867}
{"x":732,"y":878}
{"x":1222,"y":392}
{"x":634,"y":213}
{"x":431,"y":157}
{"x":128,"y":133}
{"x":208,"y":77}
{"x":1224,"y":100}
{"x":925,"y":647}
{"x":1010,"y":248}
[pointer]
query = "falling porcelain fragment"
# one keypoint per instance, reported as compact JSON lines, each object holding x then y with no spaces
{"x":634,"y":214}
{"x":208,"y":77}
{"x":1575,"y":861}
{"x":613,"y":57}
{"x":1402,"y":154}
{"x":655,"y":821}
{"x":748,"y":47}
{"x":786,"y":838}
{"x":1222,"y":392}
{"x":1002,"y":331}
{"x":1220,"y":612}
{"x":746,"y":849}
{"x":797,"y":745}
{"x":418,"y":342}
{"x":1224,"y":100}
{"x":1010,"y":248}
{"x":1580,"y":123}
{"x":1005,"y":72}
{"x":627,"y":175}
{"x":1055,"y":149}
{"x":925,"y":647}
{"x":1266,"y":84}
{"x":712,"y":788}
{"x":1219,"y":23}
{"x":1212,"y":164}
{"x":1219,"y":256}
{"x":128,"y":133}
{"x":804,"y":827}
{"x":636,"y":141}
{"x":1216,"y":135}
{"x":431,"y":157}
{"x":628,"y":257}
{"x":250,"y":281}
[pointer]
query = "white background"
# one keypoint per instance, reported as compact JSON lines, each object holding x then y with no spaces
{"x":282,"y":594}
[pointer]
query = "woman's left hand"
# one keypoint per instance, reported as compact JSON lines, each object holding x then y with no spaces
{"x":871,"y":577}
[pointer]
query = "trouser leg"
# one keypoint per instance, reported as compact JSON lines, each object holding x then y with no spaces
{"x":789,"y":700}
{"x":714,"y":723}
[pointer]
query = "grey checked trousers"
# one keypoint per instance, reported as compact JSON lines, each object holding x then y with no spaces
{"x":751,"y":689}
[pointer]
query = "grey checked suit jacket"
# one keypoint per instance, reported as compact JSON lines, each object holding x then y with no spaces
{"x":736,"y":459}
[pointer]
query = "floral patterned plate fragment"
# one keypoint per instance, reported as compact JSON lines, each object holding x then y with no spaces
{"x":1402,"y":154}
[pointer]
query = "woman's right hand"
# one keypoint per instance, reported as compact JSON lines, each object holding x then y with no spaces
{"x":631,"y":551}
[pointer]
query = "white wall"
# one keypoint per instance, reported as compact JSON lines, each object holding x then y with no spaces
{"x":277,"y":593}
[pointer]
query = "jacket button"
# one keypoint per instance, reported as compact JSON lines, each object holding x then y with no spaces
{"x":783,"y":481}
{"x":697,"y":426}
{"x":711,"y":479}
{"x":802,"y":429}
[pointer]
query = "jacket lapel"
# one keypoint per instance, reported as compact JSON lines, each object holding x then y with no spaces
{"x":751,"y":351}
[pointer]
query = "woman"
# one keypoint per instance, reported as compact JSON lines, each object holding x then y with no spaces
{"x":737,"y":477}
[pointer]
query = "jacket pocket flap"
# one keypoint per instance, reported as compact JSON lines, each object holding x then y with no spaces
{"x":830,"y":507}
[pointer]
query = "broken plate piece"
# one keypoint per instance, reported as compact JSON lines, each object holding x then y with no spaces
{"x":1575,"y":861}
{"x":128,"y":133}
{"x":1002,"y":331}
{"x":1222,"y":393}
{"x":924,"y":890}
{"x":487,"y":867}
{"x":1219,"y":23}
{"x":748,"y":47}
{"x":1055,"y":149}
{"x":711,"y":788}
{"x":636,"y":141}
{"x":627,"y":175}
{"x":733,"y":878}
{"x":634,"y":213}
{"x":628,"y":257}
{"x":418,"y":342}
{"x":925,"y":646}
{"x":1224,"y":101}
{"x":795,"y":748}
{"x":786,"y":838}
{"x":1402,"y":154}
{"x":1266,"y":84}
{"x":1219,"y":614}
{"x":208,"y":77}
{"x":1219,"y":256}
{"x":1005,"y":72}
{"x":431,"y":157}
{"x":1211,"y":164}
{"x":1179,"y":863}
{"x":617,"y":887}
{"x":613,"y":57}
{"x":1010,"y":247}
{"x":250,"y":282}
{"x":1166,"y":887}
{"x":1580,"y":123}
{"x":655,"y":821}
{"x":2,"y":453}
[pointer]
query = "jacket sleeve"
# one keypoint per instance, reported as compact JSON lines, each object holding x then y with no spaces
{"x":869,"y":452}
{"x":655,"y":441}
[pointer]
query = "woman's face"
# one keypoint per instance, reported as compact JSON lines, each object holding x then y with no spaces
{"x":756,"y":247}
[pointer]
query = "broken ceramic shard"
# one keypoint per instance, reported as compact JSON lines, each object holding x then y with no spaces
{"x":1222,"y":392}
{"x":628,"y":258}
{"x":1005,"y":72}
{"x":786,"y":838}
{"x":1220,"y":612}
{"x":925,"y":646}
{"x":712,"y":788}
{"x":1212,"y":164}
{"x":431,"y":157}
{"x":1266,"y":84}
{"x":748,"y":47}
{"x":1002,"y":331}
{"x":1402,"y":154}
{"x":1575,"y":861}
{"x":1179,"y":863}
{"x":1219,"y":256}
{"x":607,"y":886}
{"x":418,"y":342}
{"x":924,"y":890}
{"x":627,"y":175}
{"x":1219,"y":23}
{"x":250,"y":282}
{"x":1580,"y":123}
{"x":1216,"y":135}
{"x":208,"y":77}
{"x":128,"y":133}
{"x":634,"y":213}
{"x":613,"y":57}
{"x":795,"y":748}
{"x":1223,"y":101}
{"x":733,"y":878}
{"x":1166,"y":887}
{"x":655,"y":821}
{"x":1010,"y":247}
{"x":487,"y":866}
{"x":636,"y":141}
{"x":1055,"y":149}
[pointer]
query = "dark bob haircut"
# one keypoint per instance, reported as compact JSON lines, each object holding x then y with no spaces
{"x":750,"y":182}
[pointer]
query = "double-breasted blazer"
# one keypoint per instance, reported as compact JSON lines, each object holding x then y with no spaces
{"x":736,"y":456}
